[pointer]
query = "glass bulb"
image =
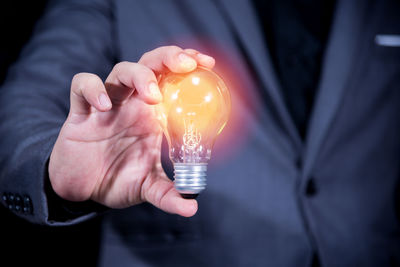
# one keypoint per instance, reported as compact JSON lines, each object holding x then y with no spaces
{"x":194,"y":110}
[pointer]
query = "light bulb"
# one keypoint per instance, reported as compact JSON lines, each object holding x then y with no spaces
{"x":194,"y":110}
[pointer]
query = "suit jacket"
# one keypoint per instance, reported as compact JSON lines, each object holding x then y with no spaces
{"x":271,"y":199}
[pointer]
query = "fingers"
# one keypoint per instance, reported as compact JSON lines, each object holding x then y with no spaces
{"x":88,"y":90}
{"x":168,"y":57}
{"x":202,"y":59}
{"x":126,"y":77}
{"x":160,"y":192}
{"x":175,"y":59}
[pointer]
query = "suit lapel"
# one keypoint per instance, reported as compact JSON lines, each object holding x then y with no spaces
{"x":336,"y":67}
{"x":336,"y":71}
{"x":250,"y":38}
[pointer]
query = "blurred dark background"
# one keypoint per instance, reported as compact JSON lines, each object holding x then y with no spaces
{"x":22,"y":243}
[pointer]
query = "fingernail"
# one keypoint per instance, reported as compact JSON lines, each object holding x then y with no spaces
{"x":154,"y":91}
{"x":104,"y":100}
{"x":187,"y":62}
{"x":203,"y":57}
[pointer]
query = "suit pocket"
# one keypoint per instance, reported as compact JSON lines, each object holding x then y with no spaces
{"x":386,"y":52}
{"x":387,"y":40}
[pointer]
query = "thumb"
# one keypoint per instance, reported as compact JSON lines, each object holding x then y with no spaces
{"x":160,"y":191}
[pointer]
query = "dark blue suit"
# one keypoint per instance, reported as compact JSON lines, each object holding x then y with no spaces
{"x":271,"y":199}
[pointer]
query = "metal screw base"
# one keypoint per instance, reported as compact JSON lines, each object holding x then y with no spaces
{"x":190,"y":178}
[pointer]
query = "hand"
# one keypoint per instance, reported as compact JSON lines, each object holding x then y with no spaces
{"x":108,"y":149}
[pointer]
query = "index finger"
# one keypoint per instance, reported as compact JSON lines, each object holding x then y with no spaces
{"x":175,"y":59}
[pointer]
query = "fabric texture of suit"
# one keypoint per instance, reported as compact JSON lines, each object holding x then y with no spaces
{"x":271,"y":199}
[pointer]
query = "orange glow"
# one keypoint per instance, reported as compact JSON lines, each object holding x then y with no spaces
{"x":247,"y":105}
{"x":195,"y":109}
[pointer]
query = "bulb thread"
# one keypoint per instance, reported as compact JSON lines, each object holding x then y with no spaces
{"x":190,"y":178}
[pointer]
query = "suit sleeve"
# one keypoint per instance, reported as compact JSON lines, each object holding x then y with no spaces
{"x":73,"y":36}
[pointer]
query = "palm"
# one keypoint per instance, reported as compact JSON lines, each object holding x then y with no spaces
{"x":117,"y":151}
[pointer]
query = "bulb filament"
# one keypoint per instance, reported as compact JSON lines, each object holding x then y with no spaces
{"x":191,"y":137}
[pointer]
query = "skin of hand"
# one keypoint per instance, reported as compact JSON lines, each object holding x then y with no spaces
{"x":109,"y":147}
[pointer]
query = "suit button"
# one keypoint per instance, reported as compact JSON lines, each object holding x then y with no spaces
{"x":27,"y":205}
{"x":27,"y":200}
{"x":311,"y":189}
{"x":18,"y":202}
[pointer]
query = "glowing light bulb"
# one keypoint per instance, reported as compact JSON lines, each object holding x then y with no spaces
{"x":194,"y":111}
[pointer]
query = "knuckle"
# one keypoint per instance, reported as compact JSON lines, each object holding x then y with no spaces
{"x":191,"y":51}
{"x":77,"y":78}
{"x":83,"y":80}
{"x":145,"y":56}
{"x":173,"y":48}
{"x":140,"y":68}
{"x":120,"y":65}
{"x":144,"y":69}
{"x":123,"y":66}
